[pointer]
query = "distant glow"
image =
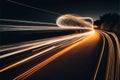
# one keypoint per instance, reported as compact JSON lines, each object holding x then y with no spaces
{"x":71,"y":21}
{"x":95,"y":26}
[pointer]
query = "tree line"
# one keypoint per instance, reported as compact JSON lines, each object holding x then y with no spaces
{"x":109,"y":22}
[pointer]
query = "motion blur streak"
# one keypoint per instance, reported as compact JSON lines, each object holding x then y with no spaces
{"x":44,"y":43}
{"x":112,"y":68}
{"x":70,"y":20}
{"x":24,"y":21}
{"x":26,"y":59}
{"x":118,"y":56}
{"x":108,"y":52}
{"x":39,"y":9}
{"x":117,"y":42}
{"x":50,"y":59}
{"x":101,"y":55}
{"x":110,"y":64}
{"x":39,"y":44}
{"x":36,"y":28}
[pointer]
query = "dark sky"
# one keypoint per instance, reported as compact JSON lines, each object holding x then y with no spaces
{"x":92,"y":8}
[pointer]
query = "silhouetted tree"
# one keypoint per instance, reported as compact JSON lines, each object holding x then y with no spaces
{"x":109,"y":22}
{"x":98,"y":23}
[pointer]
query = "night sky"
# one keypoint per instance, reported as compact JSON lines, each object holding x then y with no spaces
{"x":91,"y":8}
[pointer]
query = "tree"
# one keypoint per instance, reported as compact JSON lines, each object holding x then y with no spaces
{"x":109,"y":22}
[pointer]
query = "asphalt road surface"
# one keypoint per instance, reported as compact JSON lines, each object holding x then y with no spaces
{"x":93,"y":55}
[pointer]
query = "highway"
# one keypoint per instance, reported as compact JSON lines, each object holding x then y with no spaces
{"x":92,"y":55}
{"x":68,"y":49}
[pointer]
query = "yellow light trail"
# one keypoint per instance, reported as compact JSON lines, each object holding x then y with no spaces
{"x":118,"y":57}
{"x":101,"y":55}
{"x":38,"y":45}
{"x":110,"y":69}
{"x":27,"y":59}
{"x":110,"y":63}
{"x":50,"y":59}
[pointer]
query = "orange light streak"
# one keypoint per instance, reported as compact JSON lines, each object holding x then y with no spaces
{"x":50,"y":59}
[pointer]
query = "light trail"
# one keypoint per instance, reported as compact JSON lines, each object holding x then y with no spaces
{"x":27,"y":59}
{"x":43,"y":44}
{"x":28,"y":6}
{"x":117,"y":43}
{"x":112,"y":69}
{"x":31,"y":43}
{"x":70,"y":20}
{"x":50,"y":59}
{"x":101,"y":55}
{"x":111,"y":66}
{"x":117,"y":56}
{"x":28,"y":43}
{"x":24,"y":21}
{"x":39,"y":28}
